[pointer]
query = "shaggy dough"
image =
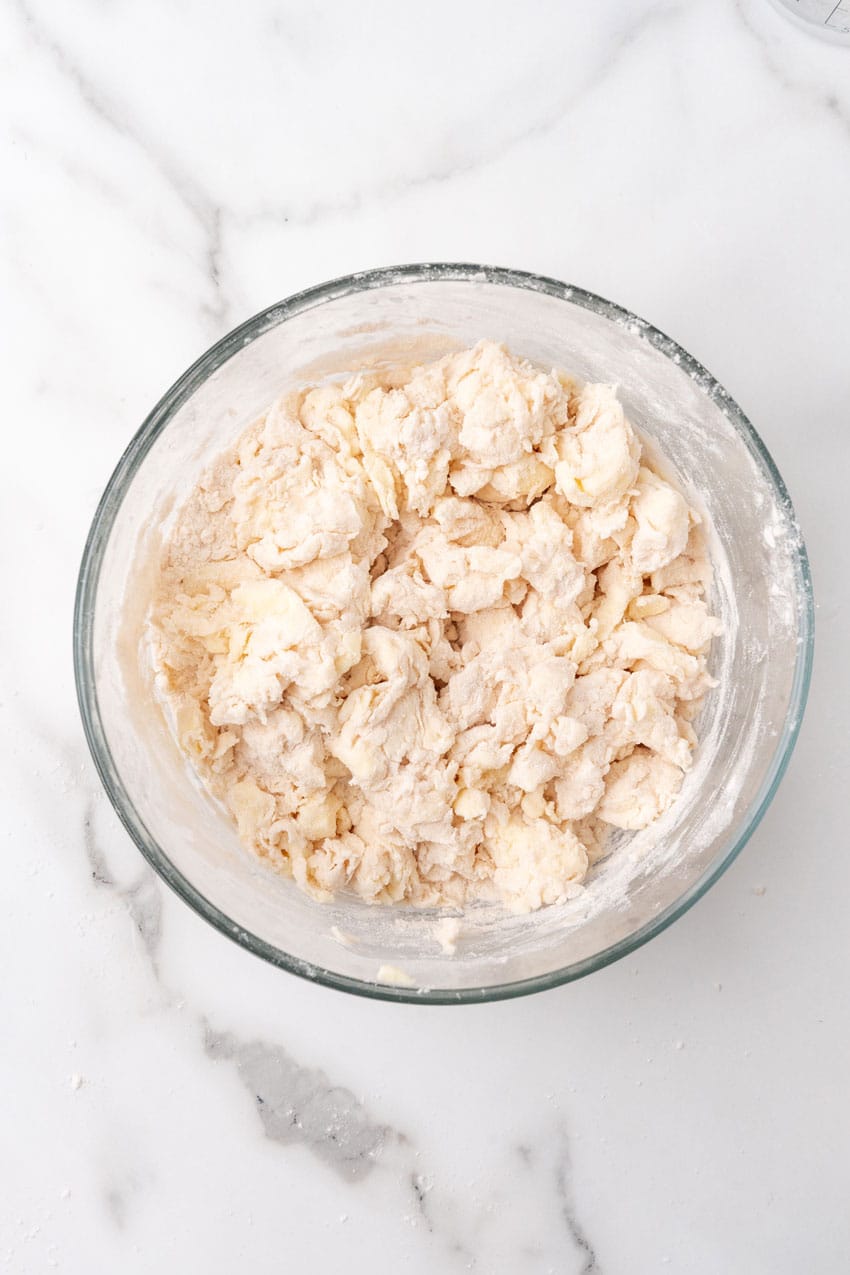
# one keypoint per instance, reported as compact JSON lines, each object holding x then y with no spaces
{"x":429,"y":636}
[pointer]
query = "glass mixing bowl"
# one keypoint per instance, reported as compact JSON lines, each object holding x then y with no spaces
{"x":762,"y":593}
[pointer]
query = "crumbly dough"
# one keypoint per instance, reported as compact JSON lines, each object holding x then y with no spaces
{"x":430,"y":635}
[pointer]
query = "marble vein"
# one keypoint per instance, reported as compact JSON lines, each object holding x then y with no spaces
{"x":564,"y":1192}
{"x":295,"y":1104}
{"x":198,"y":202}
{"x":142,"y":898}
{"x":300,"y":1104}
{"x":83,"y":175}
{"x":827,"y":102}
{"x":500,"y":145}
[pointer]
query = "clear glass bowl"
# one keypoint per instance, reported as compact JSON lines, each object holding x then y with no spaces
{"x":763,"y":659}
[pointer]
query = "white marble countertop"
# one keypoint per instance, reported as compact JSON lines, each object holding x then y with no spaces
{"x":172,"y":1103}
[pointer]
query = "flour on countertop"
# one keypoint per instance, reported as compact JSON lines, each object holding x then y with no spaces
{"x":429,"y":635}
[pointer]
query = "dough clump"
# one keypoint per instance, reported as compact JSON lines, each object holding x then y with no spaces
{"x":429,"y":635}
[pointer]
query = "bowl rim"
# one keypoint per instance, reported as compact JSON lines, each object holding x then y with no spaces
{"x":141,"y":443}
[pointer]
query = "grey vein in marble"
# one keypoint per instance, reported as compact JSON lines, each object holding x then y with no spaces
{"x":300,"y":1105}
{"x":295,"y":1104}
{"x":497,"y":147}
{"x":83,"y":175}
{"x":827,"y":102}
{"x":576,"y":1232}
{"x":194,"y":198}
{"x":142,"y":898}
{"x":563,"y":1189}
